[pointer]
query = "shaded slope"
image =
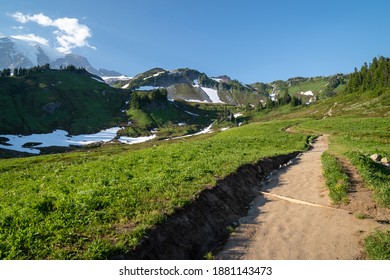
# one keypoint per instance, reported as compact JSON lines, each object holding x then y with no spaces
{"x":71,"y":100}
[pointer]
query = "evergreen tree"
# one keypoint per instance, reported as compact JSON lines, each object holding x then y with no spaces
{"x":374,"y":76}
{"x":295,"y":101}
{"x":270,"y":104}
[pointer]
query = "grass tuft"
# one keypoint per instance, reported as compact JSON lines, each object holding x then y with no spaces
{"x":336,"y":179}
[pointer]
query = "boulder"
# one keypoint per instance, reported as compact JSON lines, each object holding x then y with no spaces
{"x":376,"y":157}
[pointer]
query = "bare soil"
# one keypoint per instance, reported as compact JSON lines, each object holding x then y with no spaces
{"x":293,"y":218}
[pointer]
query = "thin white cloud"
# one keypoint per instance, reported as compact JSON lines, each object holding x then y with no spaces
{"x":70,"y":33}
{"x":17,"y":27}
{"x":41,"y":19}
{"x":32,"y":37}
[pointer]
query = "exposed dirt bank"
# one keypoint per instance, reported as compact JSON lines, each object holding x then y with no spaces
{"x":202,"y":225}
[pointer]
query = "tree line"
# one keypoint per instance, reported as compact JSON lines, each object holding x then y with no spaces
{"x":7,"y":72}
{"x":141,"y":99}
{"x":284,"y":99}
{"x":376,"y":75}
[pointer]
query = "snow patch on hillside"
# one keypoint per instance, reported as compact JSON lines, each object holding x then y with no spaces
{"x":135,"y":140}
{"x":96,"y":79}
{"x":307,"y":93}
{"x":61,"y":138}
{"x":155,"y":75}
{"x":196,"y":100}
{"x":213,"y":94}
{"x":117,"y":78}
{"x":203,"y":131}
{"x":192,"y":114}
{"x":146,"y":88}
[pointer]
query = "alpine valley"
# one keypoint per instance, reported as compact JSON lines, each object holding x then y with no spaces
{"x":199,"y":144}
{"x":43,"y":90}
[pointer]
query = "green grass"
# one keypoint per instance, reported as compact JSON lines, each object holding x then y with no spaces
{"x":85,"y":105}
{"x":336,"y":179}
{"x":368,"y":135}
{"x":361,"y":216}
{"x":375,"y":175}
{"x":90,"y":205}
{"x":378,"y":245}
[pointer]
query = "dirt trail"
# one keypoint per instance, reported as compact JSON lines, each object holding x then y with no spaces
{"x":293,"y":218}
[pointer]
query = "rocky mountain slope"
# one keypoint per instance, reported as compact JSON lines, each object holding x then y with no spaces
{"x":193,"y":86}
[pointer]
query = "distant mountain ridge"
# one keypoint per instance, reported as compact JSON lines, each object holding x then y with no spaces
{"x":192,"y":85}
{"x":16,"y":53}
{"x":195,"y":86}
{"x":181,"y":84}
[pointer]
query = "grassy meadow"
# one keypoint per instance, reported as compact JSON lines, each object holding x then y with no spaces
{"x":89,"y":205}
{"x":93,"y":203}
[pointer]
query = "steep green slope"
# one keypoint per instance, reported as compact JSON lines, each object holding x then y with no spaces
{"x":71,"y":100}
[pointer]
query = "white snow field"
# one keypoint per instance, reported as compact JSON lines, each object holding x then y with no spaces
{"x":61,"y":138}
{"x":212,"y":94}
{"x":308,"y":93}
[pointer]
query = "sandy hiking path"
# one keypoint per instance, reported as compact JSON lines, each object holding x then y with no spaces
{"x":293,"y":218}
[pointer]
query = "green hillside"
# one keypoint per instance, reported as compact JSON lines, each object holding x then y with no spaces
{"x":151,"y":110}
{"x":42,"y":101}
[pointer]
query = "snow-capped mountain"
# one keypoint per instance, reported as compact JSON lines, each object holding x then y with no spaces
{"x":15,"y":53}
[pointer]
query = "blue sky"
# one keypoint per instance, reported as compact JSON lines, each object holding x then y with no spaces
{"x":249,"y":40}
